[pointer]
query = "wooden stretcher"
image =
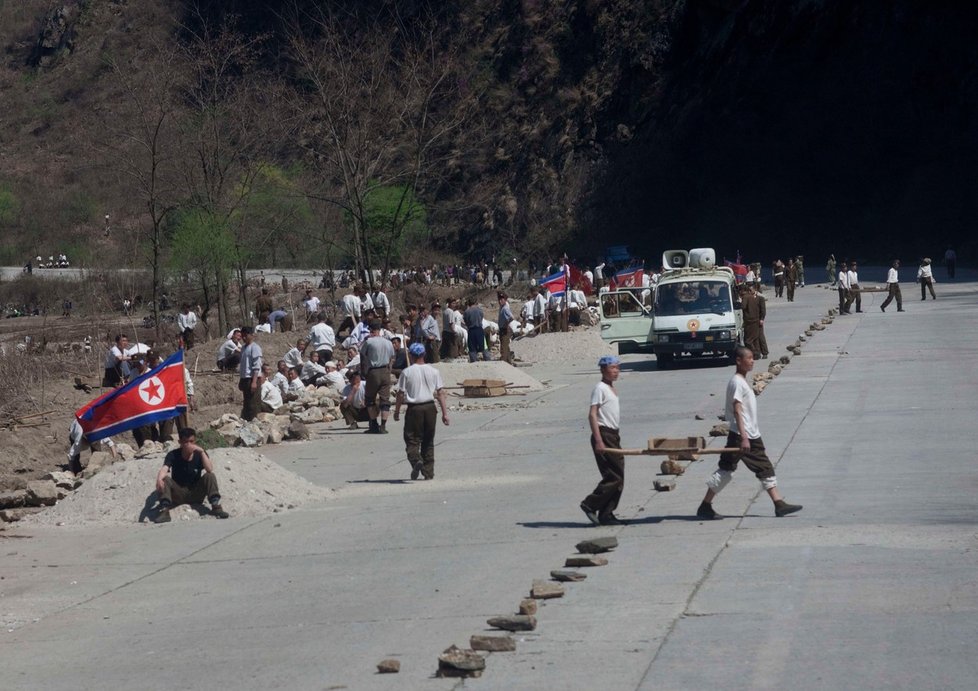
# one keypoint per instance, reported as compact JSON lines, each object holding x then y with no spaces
{"x":677,"y":449}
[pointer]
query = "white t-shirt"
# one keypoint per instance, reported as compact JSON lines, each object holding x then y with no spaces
{"x":359,"y":396}
{"x":187,"y":321}
{"x":322,"y":337}
{"x":114,"y":357}
{"x":293,"y":358}
{"x":924,"y":271}
{"x":271,"y":395}
{"x":609,"y":414}
{"x":351,"y":306}
{"x":739,"y":390}
{"x":419,"y":383}
{"x":312,"y":304}
{"x":853,"y":279}
{"x":843,"y":279}
{"x":892,"y":276}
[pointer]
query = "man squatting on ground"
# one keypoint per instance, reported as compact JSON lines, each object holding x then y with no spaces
{"x":741,"y":413}
{"x":182,"y":478}
{"x":418,"y":386}
{"x":604,"y":420}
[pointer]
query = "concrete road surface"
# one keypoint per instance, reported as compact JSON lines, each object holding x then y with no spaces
{"x":872,"y":586}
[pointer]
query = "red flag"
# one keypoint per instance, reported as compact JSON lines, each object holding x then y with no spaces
{"x":157,"y":395}
{"x":577,"y":277}
{"x":629,"y":278}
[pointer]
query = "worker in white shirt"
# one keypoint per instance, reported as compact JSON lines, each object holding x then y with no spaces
{"x":842,"y":284}
{"x":351,"y":313}
{"x":294,"y":388}
{"x":117,"y":362}
{"x":311,"y":303}
{"x":926,"y":278}
{"x":281,"y":378}
{"x":78,"y":441}
{"x":293,"y":358}
{"x":322,"y":339}
{"x":893,"y":287}
{"x":353,"y":406}
{"x":381,"y":303}
{"x":333,"y":377}
{"x":271,"y":395}
{"x":854,"y":292}
{"x":229,"y":354}
{"x":186,"y":323}
{"x":312,"y":370}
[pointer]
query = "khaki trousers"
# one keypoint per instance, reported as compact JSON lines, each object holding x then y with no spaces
{"x":205,"y":488}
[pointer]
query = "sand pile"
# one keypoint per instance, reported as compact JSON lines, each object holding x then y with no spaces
{"x":455,"y":372}
{"x":583,"y":346}
{"x":125,"y":492}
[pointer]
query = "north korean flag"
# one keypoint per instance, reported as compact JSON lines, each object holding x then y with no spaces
{"x":157,"y":395}
{"x":555,"y":283}
{"x":628,"y":278}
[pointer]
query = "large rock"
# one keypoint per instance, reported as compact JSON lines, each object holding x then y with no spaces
{"x":13,"y":500}
{"x":388,"y":667}
{"x":309,"y":416}
{"x":597,"y":545}
{"x":528,"y":606}
{"x":516,"y":622}
{"x":41,"y":493}
{"x":493,"y":644}
{"x":456,"y":662}
{"x":125,"y":451}
{"x":229,"y":432}
{"x":97,"y":461}
{"x":63,"y":479}
{"x":150,"y":448}
{"x":588,"y":560}
{"x":250,"y":435}
{"x":567,"y":576}
{"x":298,"y":431}
{"x":225,"y":419}
{"x":275,"y":435}
{"x":671,"y":467}
{"x":720,"y":430}
{"x":545,"y":590}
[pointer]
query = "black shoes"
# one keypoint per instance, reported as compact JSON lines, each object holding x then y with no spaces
{"x":882,"y":309}
{"x":901,"y":310}
{"x":415,"y":472}
{"x":591,"y":514}
{"x":706,"y":511}
{"x":610,"y":519}
{"x":218,"y":512}
{"x":783,"y":508}
{"x":163,"y":517}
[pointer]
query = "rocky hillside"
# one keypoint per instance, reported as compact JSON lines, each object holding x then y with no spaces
{"x":766,"y":126}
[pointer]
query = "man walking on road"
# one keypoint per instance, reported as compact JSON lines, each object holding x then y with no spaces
{"x":604,"y":419}
{"x":893,"y":287}
{"x":741,"y":413}
{"x":418,"y":386}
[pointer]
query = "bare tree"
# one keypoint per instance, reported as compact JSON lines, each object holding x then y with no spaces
{"x":142,"y":143}
{"x":379,"y":102}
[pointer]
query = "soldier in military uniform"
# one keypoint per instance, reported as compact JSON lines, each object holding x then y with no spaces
{"x":790,"y":278}
{"x":751,"y":308}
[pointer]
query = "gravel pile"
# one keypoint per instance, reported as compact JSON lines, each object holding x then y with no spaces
{"x":584,"y":345}
{"x":250,"y":484}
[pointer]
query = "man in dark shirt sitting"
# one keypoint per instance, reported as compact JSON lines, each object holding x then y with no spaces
{"x":182,"y":479}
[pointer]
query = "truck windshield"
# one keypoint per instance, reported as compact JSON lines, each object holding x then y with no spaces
{"x":692,"y":297}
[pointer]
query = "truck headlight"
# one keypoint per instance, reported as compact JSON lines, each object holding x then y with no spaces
{"x":662,"y":338}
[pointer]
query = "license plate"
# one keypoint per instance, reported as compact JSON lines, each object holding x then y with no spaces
{"x":694,"y":346}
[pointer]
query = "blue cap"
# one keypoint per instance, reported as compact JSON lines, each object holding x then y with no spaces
{"x":416,"y":349}
{"x":608,"y":360}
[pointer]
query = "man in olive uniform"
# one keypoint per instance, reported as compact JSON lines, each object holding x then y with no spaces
{"x":752,"y":319}
{"x":790,"y":278}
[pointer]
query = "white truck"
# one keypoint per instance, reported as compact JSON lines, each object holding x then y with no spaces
{"x":694,"y":310}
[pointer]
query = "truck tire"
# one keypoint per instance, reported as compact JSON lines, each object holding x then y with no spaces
{"x":664,"y":360}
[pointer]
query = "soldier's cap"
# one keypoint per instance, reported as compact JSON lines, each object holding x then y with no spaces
{"x":416,"y":349}
{"x":607,"y":360}
{"x":330,"y":363}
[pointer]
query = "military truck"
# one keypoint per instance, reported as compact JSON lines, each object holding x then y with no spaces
{"x":695,"y":311}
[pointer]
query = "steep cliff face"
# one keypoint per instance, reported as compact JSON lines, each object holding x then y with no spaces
{"x":773,"y":127}
{"x":805,"y":127}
